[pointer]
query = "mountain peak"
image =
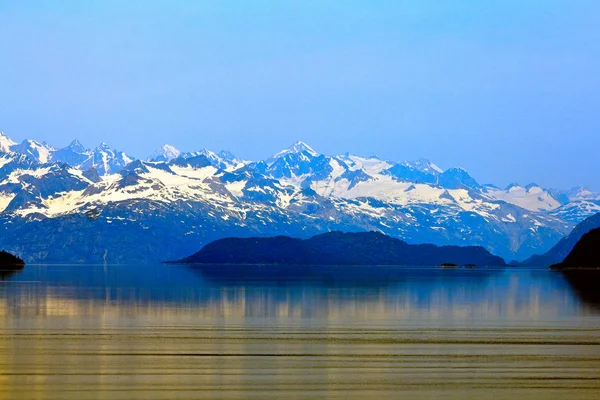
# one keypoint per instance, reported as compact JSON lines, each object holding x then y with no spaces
{"x":226,"y":154}
{"x":166,"y":153}
{"x":6,"y":142}
{"x":76,"y":146}
{"x":581,"y":193}
{"x":34,"y":150}
{"x":170,"y":148}
{"x":35,"y":143}
{"x":298,"y":147}
{"x":207,"y":153}
{"x":579,"y":190}
{"x":424,"y":165}
{"x":457,"y":177}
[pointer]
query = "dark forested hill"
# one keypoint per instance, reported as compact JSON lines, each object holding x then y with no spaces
{"x":337,"y":248}
{"x":10,"y":261}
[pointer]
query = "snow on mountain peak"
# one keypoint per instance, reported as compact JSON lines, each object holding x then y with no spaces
{"x":76,"y":145}
{"x":298,"y":147}
{"x":207,"y":153}
{"x":424,"y":165}
{"x":531,"y":197}
{"x":165,"y":153}
{"x":582,"y":193}
{"x":171,"y":150}
{"x":36,"y":151}
{"x":6,"y":143}
{"x":227,"y":155}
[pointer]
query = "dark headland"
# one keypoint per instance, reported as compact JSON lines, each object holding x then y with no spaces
{"x":585,"y":254}
{"x":10,"y":262}
{"x":581,"y":268}
{"x":338,"y":248}
{"x":562,"y":249}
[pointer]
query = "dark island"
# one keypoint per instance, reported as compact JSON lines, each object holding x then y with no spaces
{"x":449,"y":265}
{"x":585,"y":254}
{"x":10,"y":262}
{"x":337,"y":248}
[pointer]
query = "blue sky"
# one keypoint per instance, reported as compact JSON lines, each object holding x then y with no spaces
{"x":510,"y":90}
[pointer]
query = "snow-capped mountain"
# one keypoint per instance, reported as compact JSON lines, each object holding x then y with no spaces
{"x":224,"y":159}
{"x":576,"y":211}
{"x":530,"y":197}
{"x":165,"y":153}
{"x":103,"y":158}
{"x":579,"y":193}
{"x":6,"y":143}
{"x":424,"y":165}
{"x":197,"y":202}
{"x":74,"y":154}
{"x":38,"y":152}
{"x":101,"y":205}
{"x":297,"y":148}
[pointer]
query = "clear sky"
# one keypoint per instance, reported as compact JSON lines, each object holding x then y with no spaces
{"x":508,"y":89}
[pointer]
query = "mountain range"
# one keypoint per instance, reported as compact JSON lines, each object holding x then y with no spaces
{"x":76,"y":204}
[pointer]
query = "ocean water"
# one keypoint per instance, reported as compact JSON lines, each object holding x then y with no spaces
{"x":252,"y":332}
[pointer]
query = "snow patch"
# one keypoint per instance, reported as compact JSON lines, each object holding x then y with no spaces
{"x":236,"y":188}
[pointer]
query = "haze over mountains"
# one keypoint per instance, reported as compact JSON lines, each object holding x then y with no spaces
{"x":101,"y":205}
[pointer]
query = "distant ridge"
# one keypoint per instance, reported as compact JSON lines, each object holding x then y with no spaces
{"x":338,"y":248}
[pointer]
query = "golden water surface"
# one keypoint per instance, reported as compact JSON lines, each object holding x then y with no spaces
{"x":177,"y":334}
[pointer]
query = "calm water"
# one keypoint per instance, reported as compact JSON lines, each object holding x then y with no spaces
{"x":166,"y":331}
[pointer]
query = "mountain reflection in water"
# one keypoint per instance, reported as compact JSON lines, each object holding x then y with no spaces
{"x":233,"y":332}
{"x":586,"y":285}
{"x":314,"y":292}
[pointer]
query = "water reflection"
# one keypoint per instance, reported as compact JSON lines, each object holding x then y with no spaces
{"x":333,"y":293}
{"x":586,"y":285}
{"x":5,"y":274}
{"x":156,"y":332}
